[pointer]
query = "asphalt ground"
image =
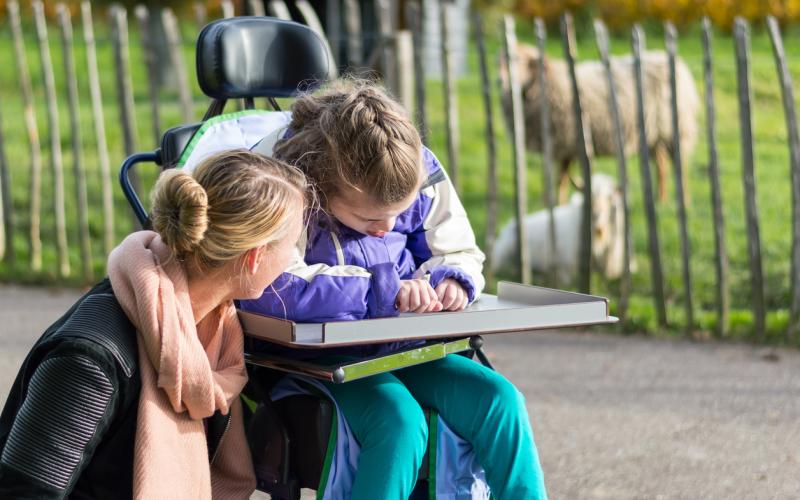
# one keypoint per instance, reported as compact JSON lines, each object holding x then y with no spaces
{"x":615,"y":417}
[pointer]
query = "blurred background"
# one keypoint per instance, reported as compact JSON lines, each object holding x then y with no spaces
{"x":83,"y":85}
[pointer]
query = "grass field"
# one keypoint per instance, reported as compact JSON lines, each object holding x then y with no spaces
{"x":772,"y":167}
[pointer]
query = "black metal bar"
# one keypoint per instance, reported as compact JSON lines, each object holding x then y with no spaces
{"x":483,"y":359}
{"x":274,"y":103}
{"x":127,"y":188}
{"x":215,"y":108}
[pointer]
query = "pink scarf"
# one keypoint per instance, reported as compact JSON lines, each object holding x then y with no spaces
{"x":188,"y":371}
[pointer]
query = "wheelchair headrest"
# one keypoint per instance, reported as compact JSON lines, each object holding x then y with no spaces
{"x":259,"y":57}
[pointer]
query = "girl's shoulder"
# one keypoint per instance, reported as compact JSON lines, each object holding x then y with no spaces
{"x":430,"y":162}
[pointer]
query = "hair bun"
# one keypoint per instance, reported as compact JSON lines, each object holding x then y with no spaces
{"x":180,"y":210}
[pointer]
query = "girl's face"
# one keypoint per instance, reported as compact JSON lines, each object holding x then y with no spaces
{"x":359,"y":211}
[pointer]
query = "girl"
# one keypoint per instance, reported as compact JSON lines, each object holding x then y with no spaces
{"x":394,"y":237}
{"x":134,"y":392}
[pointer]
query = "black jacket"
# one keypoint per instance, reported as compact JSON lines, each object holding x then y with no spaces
{"x":68,"y":426}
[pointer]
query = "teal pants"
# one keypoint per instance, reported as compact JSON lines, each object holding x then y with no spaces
{"x":477,"y":403}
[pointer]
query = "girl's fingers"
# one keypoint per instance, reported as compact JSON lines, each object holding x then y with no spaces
{"x":451,"y":296}
{"x":440,"y":288}
{"x":435,"y":304}
{"x":413,"y":297}
{"x":402,"y":300}
{"x":441,"y":293}
{"x":425,"y":300}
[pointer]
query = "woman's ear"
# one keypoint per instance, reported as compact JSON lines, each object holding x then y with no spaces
{"x":253,"y":258}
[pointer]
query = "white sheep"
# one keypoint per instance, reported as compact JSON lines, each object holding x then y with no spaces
{"x":595,"y":103}
{"x":608,"y":236}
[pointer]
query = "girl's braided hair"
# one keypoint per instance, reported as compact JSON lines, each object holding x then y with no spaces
{"x":351,"y":133}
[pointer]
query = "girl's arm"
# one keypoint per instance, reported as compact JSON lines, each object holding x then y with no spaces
{"x":444,"y":244}
{"x":318,"y":293}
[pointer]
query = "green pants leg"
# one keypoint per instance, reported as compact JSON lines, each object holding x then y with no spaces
{"x":486,"y":409}
{"x":391,"y":429}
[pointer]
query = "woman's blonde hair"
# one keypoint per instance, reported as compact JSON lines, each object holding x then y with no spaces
{"x":351,"y":133}
{"x":232,"y":202}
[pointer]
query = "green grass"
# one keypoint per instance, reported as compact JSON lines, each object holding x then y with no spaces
{"x":772,"y":170}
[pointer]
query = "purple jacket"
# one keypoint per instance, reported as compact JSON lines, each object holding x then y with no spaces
{"x":346,"y":275}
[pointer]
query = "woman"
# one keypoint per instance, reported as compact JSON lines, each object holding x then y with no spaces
{"x":134,"y":391}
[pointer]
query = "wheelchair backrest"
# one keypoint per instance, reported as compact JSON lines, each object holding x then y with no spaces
{"x":241,"y":58}
{"x":248,"y":57}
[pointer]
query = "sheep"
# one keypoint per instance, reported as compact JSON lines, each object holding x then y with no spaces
{"x":608,"y":236}
{"x":595,"y":103}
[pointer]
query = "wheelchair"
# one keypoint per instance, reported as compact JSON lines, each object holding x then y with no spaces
{"x":245,"y":58}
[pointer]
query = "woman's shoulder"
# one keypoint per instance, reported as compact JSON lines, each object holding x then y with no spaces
{"x":97,"y":326}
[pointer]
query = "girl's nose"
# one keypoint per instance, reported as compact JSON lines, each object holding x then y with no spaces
{"x":379,"y":229}
{"x":384,"y":225}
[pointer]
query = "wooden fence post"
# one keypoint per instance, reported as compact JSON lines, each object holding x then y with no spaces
{"x":723,"y":297}
{"x":742,"y":40}
{"x":414,"y":19}
{"x":518,"y":143}
{"x":491,"y":149}
{"x":227,"y":9}
{"x":450,"y":98}
{"x":404,"y":51}
{"x":313,"y":22}
{"x":78,"y":169}
{"x":680,"y":182}
{"x":583,"y":138}
{"x":278,"y":8}
{"x":200,"y":14}
{"x":741,"y":33}
{"x":333,"y":27}
{"x":656,"y":271}
{"x":173,"y":33}
{"x":6,"y":206}
{"x":119,"y":37}
{"x":55,"y":138}
{"x":148,"y":51}
{"x":352,"y":25}
{"x":32,"y":129}
{"x":385,"y":45}
{"x":794,"y":154}
{"x":546,"y":138}
{"x":99,"y":127}
{"x":601,"y":35}
{"x":256,"y":7}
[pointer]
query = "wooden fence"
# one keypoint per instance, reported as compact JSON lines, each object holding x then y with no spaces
{"x":397,"y":55}
{"x":742,"y":57}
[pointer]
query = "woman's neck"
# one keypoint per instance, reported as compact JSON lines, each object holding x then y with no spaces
{"x":207,"y":290}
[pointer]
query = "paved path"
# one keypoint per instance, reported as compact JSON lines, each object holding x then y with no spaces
{"x":615,"y":417}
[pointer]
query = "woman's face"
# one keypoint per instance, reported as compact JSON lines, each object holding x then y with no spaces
{"x":273,"y":260}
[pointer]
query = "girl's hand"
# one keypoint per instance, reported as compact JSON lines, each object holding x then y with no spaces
{"x":417,"y":296}
{"x":451,"y":295}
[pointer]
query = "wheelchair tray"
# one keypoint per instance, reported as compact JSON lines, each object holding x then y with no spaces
{"x":515,"y":308}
